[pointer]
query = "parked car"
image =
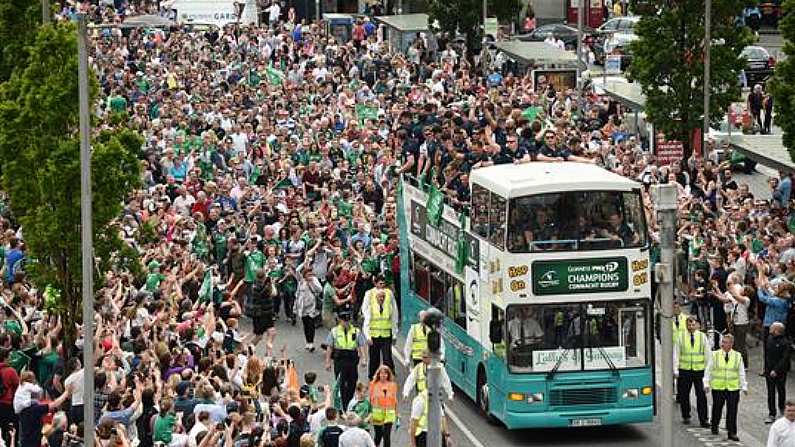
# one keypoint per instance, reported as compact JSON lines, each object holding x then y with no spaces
{"x":617,"y":25}
{"x":759,"y":64}
{"x":566,"y":33}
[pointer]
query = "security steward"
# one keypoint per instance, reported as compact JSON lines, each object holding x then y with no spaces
{"x":725,"y":376}
{"x":345,"y":344}
{"x":418,"y":425}
{"x":417,"y":341}
{"x":380,"y":324}
{"x":691,"y":354}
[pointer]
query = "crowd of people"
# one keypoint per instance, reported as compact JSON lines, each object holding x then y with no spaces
{"x":272,"y":158}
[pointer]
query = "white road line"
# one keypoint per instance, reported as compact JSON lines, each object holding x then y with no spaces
{"x":449,"y":412}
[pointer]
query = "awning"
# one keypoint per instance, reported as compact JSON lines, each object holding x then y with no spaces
{"x":538,"y":52}
{"x":406,"y":22}
{"x":768,"y":150}
{"x":146,"y":21}
{"x":628,"y":94}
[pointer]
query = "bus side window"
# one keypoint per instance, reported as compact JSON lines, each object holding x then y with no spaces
{"x":479,"y":221}
{"x":497,"y":221}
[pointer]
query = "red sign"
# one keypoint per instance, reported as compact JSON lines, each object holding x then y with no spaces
{"x":669,"y":152}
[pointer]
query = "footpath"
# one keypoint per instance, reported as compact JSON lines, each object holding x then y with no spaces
{"x":752,"y":413}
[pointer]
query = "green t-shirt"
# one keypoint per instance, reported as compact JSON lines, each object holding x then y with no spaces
{"x":329,"y":292}
{"x":117,"y":104}
{"x":153,"y":281}
{"x":46,"y":366}
{"x":12,"y":326}
{"x":219,"y":246}
{"x":254,"y":262}
{"x":362,"y":408}
{"x":163,"y":428}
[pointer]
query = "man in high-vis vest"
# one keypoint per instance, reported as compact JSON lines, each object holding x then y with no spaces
{"x":345,"y":344}
{"x":679,"y":322}
{"x":417,"y":380}
{"x":417,"y":341}
{"x":691,"y":356}
{"x":380,"y":324}
{"x":725,"y":376}
{"x":418,"y":426}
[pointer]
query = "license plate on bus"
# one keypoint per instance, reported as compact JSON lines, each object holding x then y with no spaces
{"x":589,"y":422}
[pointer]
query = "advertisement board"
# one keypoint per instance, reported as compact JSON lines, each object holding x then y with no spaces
{"x":561,"y":79}
{"x":217,"y":12}
{"x":561,"y":277}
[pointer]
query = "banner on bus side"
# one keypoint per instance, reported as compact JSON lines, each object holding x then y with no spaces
{"x":560,"y":277}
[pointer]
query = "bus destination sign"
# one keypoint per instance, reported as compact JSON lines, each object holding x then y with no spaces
{"x":560,"y":277}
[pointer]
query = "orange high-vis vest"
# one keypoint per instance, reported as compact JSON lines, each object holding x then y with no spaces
{"x":383,"y":398}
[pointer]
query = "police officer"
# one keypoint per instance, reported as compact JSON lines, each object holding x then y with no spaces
{"x":345,"y":344}
{"x":692,"y":354}
{"x":380,"y":324}
{"x":417,"y":341}
{"x":725,"y":376}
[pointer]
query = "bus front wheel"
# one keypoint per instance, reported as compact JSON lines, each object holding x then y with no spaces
{"x":483,"y":396}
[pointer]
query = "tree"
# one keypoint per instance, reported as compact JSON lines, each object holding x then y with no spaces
{"x":19,"y":20}
{"x":668,"y":63}
{"x":783,"y":85}
{"x":466,"y":16}
{"x":40,"y":157}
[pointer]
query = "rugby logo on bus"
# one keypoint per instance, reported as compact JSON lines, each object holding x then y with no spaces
{"x":549,"y":279}
{"x":607,"y":267}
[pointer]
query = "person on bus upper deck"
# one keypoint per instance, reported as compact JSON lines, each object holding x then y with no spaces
{"x":542,"y":228}
{"x":618,"y":229}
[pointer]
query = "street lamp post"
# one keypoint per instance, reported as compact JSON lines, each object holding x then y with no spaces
{"x":707,"y":45}
{"x":45,"y":12}
{"x":86,"y":231}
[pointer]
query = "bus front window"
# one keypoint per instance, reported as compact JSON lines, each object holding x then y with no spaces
{"x":576,"y":220}
{"x":575,"y":337}
{"x":536,"y":333}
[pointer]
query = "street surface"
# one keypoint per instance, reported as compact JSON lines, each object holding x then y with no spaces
{"x":469,"y":428}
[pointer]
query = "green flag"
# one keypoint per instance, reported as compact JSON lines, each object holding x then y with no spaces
{"x":253,"y":78}
{"x":275,"y":77}
{"x":365,"y":112}
{"x":434,"y":206}
{"x":206,"y":289}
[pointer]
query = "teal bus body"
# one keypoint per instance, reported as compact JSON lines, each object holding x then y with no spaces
{"x":462,"y":367}
{"x":593,"y":395}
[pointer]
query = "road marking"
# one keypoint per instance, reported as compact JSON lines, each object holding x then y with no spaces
{"x":449,"y":412}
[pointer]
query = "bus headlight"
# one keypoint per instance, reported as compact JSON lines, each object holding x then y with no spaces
{"x":515,"y":396}
{"x":535,"y":397}
{"x":631,"y":393}
{"x":646,"y":390}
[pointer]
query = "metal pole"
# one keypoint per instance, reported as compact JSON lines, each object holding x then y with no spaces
{"x":317,"y":10}
{"x":580,"y":49}
{"x":707,"y":45}
{"x":86,"y":232}
{"x":665,"y":196}
{"x":434,"y":402}
{"x":483,"y":49}
{"x":45,"y":12}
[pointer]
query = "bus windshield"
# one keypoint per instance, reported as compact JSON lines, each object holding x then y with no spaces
{"x":576,"y":220}
{"x":577,"y":337}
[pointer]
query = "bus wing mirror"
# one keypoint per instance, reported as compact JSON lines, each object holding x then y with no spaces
{"x":495,"y":332}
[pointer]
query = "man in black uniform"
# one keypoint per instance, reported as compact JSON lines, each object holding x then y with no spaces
{"x":345,"y":344}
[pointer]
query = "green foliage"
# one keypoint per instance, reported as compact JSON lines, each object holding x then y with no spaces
{"x":40,"y":160}
{"x":19,"y":20}
{"x":783,"y":85}
{"x":668,"y":62}
{"x":466,"y":16}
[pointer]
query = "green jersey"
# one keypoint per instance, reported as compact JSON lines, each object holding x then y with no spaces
{"x":254,"y":261}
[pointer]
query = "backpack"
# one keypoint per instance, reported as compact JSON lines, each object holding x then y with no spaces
{"x":330,"y":436}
